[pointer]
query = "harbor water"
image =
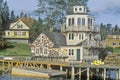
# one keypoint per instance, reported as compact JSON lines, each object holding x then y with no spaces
{"x":10,"y":77}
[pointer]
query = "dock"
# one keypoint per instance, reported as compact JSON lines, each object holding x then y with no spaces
{"x":57,"y":68}
{"x":32,"y":72}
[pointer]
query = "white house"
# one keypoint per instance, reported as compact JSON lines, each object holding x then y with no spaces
{"x":76,"y":42}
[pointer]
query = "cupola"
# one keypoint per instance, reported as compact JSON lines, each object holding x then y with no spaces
{"x":79,"y":9}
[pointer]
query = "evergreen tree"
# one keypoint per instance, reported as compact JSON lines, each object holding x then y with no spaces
{"x":12,"y":16}
{"x":21,"y":14}
{"x":36,"y":29}
{"x":4,"y":14}
{"x":53,"y":11}
{"x":116,"y":29}
{"x":1,"y":6}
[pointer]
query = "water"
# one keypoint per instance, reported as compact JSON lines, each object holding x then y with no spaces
{"x":10,"y":77}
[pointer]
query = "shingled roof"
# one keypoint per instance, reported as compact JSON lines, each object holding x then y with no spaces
{"x":57,"y":38}
{"x":27,"y":20}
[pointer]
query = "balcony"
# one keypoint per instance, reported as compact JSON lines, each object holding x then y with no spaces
{"x":91,"y":57}
{"x":80,"y":28}
{"x":93,"y":43}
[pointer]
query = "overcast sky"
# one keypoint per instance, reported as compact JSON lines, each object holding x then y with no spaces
{"x":105,"y":11}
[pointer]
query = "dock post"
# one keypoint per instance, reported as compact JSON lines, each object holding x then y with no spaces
{"x":88,"y":73}
{"x":61,"y":68}
{"x":104,"y":74}
{"x":3,"y":65}
{"x":79,"y":73}
{"x":49,"y":66}
{"x":67,"y":73}
{"x":72,"y":72}
{"x":117,"y":74}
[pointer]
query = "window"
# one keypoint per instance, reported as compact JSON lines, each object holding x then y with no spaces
{"x":8,"y":33}
{"x":71,"y":51}
{"x":19,"y":26}
{"x":91,"y":21}
{"x":75,"y":9}
{"x":71,"y":36}
{"x":79,"y":21}
{"x":45,"y":51}
{"x":119,"y":43}
{"x":82,"y":36}
{"x":114,"y":43}
{"x":37,"y":51}
{"x":79,"y":36}
{"x":19,"y":33}
{"x":83,"y":21}
{"x":15,"y":33}
{"x":88,"y":21}
{"x":71,"y":21}
{"x":80,"y":9}
{"x":90,"y":36}
{"x":42,"y":38}
{"x":23,"y":33}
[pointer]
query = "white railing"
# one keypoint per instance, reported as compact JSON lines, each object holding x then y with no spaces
{"x":80,"y":28}
{"x":93,"y":43}
{"x":91,"y":57}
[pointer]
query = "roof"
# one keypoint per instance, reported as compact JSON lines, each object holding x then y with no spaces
{"x":57,"y":38}
{"x":115,"y":33}
{"x":81,"y":43}
{"x":27,"y":20}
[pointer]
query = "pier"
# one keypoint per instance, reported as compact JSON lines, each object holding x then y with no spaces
{"x":72,"y":69}
{"x":41,"y":73}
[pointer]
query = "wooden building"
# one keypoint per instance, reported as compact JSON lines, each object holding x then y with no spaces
{"x":76,"y":42}
{"x":113,"y":40}
{"x":19,"y":30}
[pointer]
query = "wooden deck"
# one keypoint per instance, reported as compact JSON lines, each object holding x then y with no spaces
{"x":68,"y":67}
{"x":30,"y":72}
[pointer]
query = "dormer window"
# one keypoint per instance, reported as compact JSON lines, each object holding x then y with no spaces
{"x":75,"y":9}
{"x":19,"y":26}
{"x":80,"y":9}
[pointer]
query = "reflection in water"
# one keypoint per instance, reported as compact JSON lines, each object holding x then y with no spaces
{"x":9,"y":77}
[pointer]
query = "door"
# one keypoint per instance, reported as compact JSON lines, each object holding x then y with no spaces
{"x":78,"y":54}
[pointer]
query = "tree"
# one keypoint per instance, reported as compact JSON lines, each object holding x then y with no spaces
{"x":105,"y":30}
{"x":53,"y":11}
{"x":116,"y":28}
{"x":1,"y":6}
{"x":12,"y":16}
{"x":21,"y":14}
{"x":4,"y":14}
{"x":36,"y":29}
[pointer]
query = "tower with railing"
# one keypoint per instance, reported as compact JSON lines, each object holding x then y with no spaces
{"x":79,"y":30}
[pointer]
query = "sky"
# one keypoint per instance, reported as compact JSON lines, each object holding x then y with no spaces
{"x":104,"y":11}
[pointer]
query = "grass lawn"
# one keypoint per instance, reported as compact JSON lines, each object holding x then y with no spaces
{"x":16,"y":49}
{"x":116,"y":51}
